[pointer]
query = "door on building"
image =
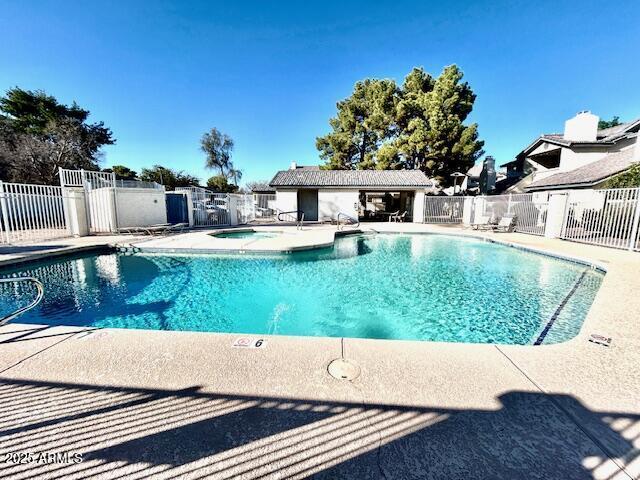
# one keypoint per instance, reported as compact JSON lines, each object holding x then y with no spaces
{"x":308,"y":203}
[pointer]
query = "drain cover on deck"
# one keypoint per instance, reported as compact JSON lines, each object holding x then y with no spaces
{"x":343,"y":369}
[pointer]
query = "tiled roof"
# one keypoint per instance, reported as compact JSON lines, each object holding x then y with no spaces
{"x":263,"y":188}
{"x":589,"y":174}
{"x":350,"y":178}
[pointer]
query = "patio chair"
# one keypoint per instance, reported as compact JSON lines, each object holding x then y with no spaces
{"x":178,"y":227}
{"x":483,"y":223}
{"x":400,"y":218}
{"x":393,"y":215}
{"x":157,"y":229}
{"x":143,"y":230}
{"x":506,"y":224}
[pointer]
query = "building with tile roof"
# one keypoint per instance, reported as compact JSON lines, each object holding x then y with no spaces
{"x":359,"y":194}
{"x":581,"y":157}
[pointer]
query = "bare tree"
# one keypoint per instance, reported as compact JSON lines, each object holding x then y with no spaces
{"x":36,"y":158}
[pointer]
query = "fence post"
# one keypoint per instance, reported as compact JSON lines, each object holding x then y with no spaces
{"x":556,"y":213}
{"x":467,"y":211}
{"x":5,"y":213}
{"x":190,"y":215}
{"x":636,"y":220}
{"x":116,"y":226}
{"x":76,"y":211}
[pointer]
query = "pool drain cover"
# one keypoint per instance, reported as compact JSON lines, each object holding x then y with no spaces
{"x":343,"y":369}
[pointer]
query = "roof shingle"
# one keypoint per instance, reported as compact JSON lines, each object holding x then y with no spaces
{"x":350,"y":178}
{"x":589,"y":174}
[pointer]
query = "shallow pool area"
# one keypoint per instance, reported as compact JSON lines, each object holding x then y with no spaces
{"x":386,"y":286}
{"x":246,"y":234}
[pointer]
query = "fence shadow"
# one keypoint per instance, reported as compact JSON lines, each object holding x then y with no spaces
{"x":139,"y":433}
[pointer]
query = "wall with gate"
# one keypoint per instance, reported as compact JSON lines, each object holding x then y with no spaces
{"x":112,"y":204}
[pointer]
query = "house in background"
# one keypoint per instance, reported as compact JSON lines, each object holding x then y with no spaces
{"x":482,"y":178}
{"x":372,"y":195}
{"x":581,"y":157}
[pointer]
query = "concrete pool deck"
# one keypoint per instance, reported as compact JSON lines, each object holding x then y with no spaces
{"x":156,"y":404}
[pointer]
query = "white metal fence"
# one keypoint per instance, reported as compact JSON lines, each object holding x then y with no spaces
{"x":31,"y":213}
{"x":255,"y":207}
{"x":265,"y":207}
{"x":530,"y":210}
{"x":245,"y":208}
{"x":209,"y":208}
{"x":607,"y":217}
{"x":443,"y":209}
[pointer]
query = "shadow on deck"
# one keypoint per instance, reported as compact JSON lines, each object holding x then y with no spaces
{"x":142,"y":433}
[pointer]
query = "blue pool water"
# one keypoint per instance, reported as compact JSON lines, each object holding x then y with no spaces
{"x":421,"y":287}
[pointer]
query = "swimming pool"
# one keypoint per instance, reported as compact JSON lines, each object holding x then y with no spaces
{"x":417,"y":287}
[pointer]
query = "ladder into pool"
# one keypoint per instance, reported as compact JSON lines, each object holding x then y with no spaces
{"x":40,"y":289}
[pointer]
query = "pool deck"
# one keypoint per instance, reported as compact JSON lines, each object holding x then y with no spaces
{"x":157,"y":404}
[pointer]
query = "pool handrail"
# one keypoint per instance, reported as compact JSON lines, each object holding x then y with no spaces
{"x":356,"y":222}
{"x":39,"y":286}
{"x":299,"y":217}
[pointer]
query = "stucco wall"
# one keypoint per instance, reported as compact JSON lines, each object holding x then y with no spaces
{"x":286,"y":200}
{"x":332,"y":202}
{"x":140,"y":207}
{"x":570,"y":160}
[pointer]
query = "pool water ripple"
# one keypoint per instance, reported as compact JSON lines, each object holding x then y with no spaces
{"x":416,"y":287}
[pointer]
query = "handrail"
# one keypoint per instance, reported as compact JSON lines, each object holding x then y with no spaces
{"x":298,"y":221}
{"x":20,"y":311}
{"x":356,"y":222}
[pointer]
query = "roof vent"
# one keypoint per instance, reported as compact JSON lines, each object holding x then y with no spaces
{"x":293,"y":166}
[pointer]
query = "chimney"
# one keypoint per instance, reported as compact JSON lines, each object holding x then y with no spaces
{"x":293,"y":166}
{"x":582,"y":128}
{"x":487,"y":181}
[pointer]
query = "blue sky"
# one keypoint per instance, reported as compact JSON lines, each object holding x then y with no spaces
{"x":160,"y":73}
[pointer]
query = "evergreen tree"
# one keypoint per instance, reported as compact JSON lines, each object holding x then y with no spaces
{"x":614,"y":122}
{"x":364,"y":120}
{"x":418,"y":126}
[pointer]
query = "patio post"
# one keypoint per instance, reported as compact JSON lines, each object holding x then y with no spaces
{"x":418,"y":207}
